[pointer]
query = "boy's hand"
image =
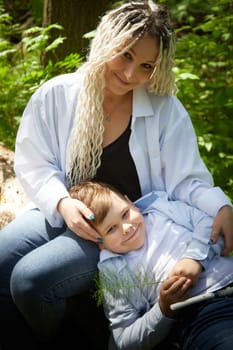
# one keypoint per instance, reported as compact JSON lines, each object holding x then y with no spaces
{"x":172,"y":290}
{"x":188,"y":268}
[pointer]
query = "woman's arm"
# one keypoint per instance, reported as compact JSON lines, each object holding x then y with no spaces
{"x":187,"y":177}
{"x":37,"y":157}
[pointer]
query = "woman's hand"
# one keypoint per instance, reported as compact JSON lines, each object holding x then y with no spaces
{"x":223,"y":224}
{"x":74,"y":211}
{"x":173,"y":290}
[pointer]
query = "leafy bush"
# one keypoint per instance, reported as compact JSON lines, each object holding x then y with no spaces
{"x":204,"y":78}
{"x":22,"y":70}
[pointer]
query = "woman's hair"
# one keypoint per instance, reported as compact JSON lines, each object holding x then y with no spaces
{"x":126,"y":23}
{"x":97,"y":196}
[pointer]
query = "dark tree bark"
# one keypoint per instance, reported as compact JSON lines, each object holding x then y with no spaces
{"x":77,"y":17}
{"x":21,"y":13}
{"x":20,"y":10}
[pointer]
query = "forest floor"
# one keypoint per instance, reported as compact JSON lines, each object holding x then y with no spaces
{"x":12,"y":196}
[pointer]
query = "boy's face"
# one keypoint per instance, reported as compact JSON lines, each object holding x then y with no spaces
{"x":123,"y":228}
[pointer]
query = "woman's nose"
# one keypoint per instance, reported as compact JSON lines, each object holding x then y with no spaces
{"x":129,"y":71}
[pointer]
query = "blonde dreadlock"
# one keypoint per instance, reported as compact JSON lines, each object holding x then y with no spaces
{"x":129,"y":21}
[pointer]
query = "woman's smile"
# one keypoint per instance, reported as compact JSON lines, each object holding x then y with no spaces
{"x":132,"y":68}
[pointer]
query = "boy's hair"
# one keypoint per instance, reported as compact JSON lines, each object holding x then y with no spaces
{"x":97,"y":196}
{"x":126,"y":23}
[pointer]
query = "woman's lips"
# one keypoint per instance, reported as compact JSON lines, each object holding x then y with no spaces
{"x":125,"y":83}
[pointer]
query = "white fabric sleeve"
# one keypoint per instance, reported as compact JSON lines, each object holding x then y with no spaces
{"x":200,"y":247}
{"x":37,"y":158}
{"x":185,"y":174}
{"x":134,"y":323}
{"x":145,"y":332}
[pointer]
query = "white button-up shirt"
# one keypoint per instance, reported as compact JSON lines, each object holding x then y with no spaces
{"x":162,"y":143}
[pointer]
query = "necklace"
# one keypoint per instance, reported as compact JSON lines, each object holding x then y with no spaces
{"x":116,"y":108}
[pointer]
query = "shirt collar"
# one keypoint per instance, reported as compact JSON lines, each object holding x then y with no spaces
{"x":107,"y":254}
{"x":142,"y":106}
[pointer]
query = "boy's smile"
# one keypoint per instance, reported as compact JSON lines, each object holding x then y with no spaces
{"x":123,"y":228}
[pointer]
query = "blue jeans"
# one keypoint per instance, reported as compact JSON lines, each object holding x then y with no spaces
{"x":208,"y":326}
{"x":204,"y":326}
{"x":40,"y":267}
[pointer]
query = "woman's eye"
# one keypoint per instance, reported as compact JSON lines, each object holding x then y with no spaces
{"x":147,"y":66}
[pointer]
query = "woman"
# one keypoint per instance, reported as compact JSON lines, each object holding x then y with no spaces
{"x":114,"y":120}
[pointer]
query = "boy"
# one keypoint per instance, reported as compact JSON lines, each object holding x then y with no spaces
{"x":152,"y":259}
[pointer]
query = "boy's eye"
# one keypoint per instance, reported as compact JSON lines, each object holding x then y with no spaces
{"x":111,"y":229}
{"x":125,"y":214}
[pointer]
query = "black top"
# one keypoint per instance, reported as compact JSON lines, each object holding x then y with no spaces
{"x":117,"y":167}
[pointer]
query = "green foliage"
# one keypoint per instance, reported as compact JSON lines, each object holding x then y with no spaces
{"x":205,"y":82}
{"x":22,"y":70}
{"x":110,"y":285}
{"x":37,"y":10}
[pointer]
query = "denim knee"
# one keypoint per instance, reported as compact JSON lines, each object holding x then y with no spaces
{"x":209,"y":326}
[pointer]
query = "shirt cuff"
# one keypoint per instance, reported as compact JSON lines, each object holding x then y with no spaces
{"x":212,"y":200}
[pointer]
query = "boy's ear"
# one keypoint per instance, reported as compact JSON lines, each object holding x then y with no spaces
{"x":101,"y":246}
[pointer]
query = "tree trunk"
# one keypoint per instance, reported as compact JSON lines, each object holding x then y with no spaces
{"x":77,"y":17}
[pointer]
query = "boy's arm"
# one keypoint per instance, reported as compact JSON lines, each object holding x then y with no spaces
{"x":201,"y":248}
{"x":134,"y":323}
{"x":145,"y":332}
{"x":199,"y":223}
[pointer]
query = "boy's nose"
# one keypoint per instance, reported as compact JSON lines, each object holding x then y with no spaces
{"x":128,"y":228}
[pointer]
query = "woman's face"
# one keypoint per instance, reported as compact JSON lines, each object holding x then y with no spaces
{"x":123,"y":228}
{"x":133,"y":68}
